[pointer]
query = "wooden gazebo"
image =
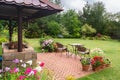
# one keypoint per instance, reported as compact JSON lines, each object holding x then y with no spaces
{"x":24,"y":10}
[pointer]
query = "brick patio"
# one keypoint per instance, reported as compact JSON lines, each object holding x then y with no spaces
{"x":62,"y":66}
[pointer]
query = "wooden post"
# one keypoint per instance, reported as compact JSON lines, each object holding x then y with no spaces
{"x":19,"y":30}
{"x":10,"y":31}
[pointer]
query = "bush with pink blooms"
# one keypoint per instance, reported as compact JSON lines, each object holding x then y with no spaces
{"x":46,"y":44}
{"x":23,"y":72}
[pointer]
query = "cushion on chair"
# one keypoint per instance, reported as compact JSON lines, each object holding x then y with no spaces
{"x":60,"y":47}
{"x":83,"y":50}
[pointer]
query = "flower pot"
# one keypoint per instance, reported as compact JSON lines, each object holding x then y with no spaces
{"x":85,"y":67}
{"x":107,"y":65}
{"x":97,"y":68}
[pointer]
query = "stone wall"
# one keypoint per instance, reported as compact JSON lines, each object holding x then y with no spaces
{"x":10,"y":55}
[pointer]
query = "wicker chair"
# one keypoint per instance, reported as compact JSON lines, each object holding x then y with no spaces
{"x":58,"y":47}
{"x":82,"y":50}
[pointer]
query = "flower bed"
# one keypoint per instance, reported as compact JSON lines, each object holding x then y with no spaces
{"x":24,"y":71}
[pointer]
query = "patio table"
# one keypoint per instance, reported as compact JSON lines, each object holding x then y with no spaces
{"x":74,"y":47}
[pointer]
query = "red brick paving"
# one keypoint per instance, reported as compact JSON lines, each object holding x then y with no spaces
{"x":62,"y":66}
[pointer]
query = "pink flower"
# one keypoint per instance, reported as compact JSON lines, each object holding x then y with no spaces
{"x":1,"y":70}
{"x":21,"y":77}
{"x":16,"y":61}
{"x":7,"y":69}
{"x":28,"y":70}
{"x":14,"y":70}
{"x":41,"y":64}
{"x":35,"y":71}
{"x":31,"y":73}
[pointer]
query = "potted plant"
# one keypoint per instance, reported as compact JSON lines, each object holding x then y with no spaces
{"x":107,"y":62}
{"x":97,"y":63}
{"x":85,"y":61}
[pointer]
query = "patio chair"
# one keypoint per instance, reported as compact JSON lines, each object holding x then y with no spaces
{"x":58,"y":47}
{"x":82,"y":50}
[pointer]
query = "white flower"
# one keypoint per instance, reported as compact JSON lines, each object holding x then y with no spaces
{"x":38,"y":68}
{"x":21,"y":61}
{"x":29,"y":62}
{"x":23,"y":65}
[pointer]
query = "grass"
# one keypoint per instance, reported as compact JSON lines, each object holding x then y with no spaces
{"x":111,"y":49}
{"x":0,"y":49}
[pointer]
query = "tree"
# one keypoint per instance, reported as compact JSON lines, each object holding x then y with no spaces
{"x":53,"y":28}
{"x":87,"y":30}
{"x":112,"y":27}
{"x":94,"y":15}
{"x":71,"y":22}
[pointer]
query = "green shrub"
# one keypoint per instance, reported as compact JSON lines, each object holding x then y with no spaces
{"x":90,"y":38}
{"x":3,"y":40}
{"x":33,"y":31}
{"x":4,"y":33}
{"x":87,"y":30}
{"x":103,"y":37}
{"x":53,"y":29}
{"x":44,"y":38}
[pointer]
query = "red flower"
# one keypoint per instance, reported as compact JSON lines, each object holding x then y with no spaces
{"x":42,"y":64}
{"x":97,"y":58}
{"x":92,"y":62}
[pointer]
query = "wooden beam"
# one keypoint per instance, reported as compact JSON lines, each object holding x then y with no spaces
{"x":10,"y":31}
{"x":19,"y":29}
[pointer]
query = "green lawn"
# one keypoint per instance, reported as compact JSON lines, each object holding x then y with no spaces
{"x":111,"y":49}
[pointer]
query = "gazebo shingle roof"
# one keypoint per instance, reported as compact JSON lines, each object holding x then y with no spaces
{"x":35,"y":3}
{"x":31,"y":8}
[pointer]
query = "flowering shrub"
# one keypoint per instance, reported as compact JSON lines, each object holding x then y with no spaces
{"x":47,"y":45}
{"x":96,"y":52}
{"x":97,"y":61}
{"x":23,"y":72}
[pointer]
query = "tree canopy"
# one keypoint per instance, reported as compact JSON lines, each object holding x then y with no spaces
{"x":92,"y":20}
